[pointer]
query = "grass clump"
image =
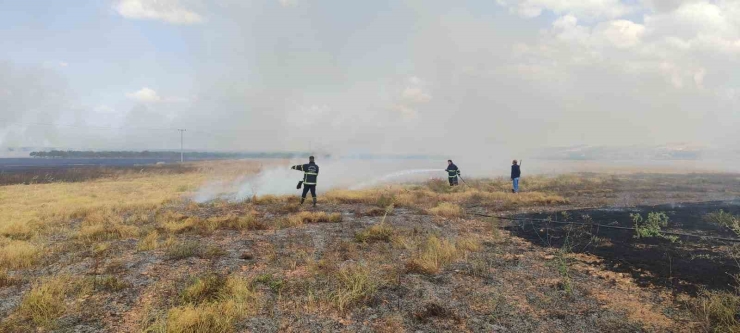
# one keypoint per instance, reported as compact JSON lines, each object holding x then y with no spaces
{"x":435,"y":253}
{"x":380,"y":232}
{"x":110,"y":283}
{"x":182,"y":250}
{"x":203,"y":289}
{"x":356,"y":284}
{"x":446,"y":209}
{"x":315,"y":217}
{"x":45,"y":302}
{"x":148,"y":243}
{"x":211,"y":304}
{"x":725,"y":219}
{"x":719,"y":311}
{"x":16,"y":254}
{"x":6,"y":280}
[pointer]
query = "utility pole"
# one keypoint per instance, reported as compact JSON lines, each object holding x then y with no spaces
{"x":182,"y":130}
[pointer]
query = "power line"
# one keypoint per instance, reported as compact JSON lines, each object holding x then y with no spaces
{"x":182,"y":131}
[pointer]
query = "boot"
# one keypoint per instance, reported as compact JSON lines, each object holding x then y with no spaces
{"x":302,"y":200}
{"x":314,"y":202}
{"x":512,"y":191}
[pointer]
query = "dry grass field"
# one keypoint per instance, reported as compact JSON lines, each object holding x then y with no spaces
{"x":130,"y":252}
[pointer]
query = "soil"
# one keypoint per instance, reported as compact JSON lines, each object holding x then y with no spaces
{"x":687,"y":265}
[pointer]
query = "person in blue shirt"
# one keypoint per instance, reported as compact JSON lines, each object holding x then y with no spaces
{"x":516,"y":172}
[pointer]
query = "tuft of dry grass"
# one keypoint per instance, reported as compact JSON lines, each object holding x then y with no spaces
{"x":314,"y":217}
{"x":718,"y":310}
{"x":435,"y":253}
{"x":447,"y":209}
{"x":228,"y":301}
{"x":110,"y":283}
{"x":6,"y":280}
{"x":45,"y":302}
{"x":356,"y":284}
{"x":203,"y":289}
{"x":105,"y":231}
{"x":380,"y":232}
{"x":16,"y":254}
{"x":271,"y":199}
{"x":182,"y":250}
{"x":150,"y":242}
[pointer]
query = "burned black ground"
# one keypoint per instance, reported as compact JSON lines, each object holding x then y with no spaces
{"x":687,"y":265}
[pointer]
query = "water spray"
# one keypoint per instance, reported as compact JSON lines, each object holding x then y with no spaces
{"x":391,"y":176}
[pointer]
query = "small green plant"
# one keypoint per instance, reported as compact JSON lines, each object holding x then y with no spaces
{"x":275,"y":284}
{"x":652,"y":227}
{"x":725,"y":219}
{"x":562,"y":264}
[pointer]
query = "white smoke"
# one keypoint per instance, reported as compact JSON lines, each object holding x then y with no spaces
{"x":333,"y":174}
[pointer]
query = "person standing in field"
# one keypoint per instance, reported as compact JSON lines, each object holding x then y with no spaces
{"x":452,"y":172}
{"x":516,"y":172}
{"x":310,"y":176}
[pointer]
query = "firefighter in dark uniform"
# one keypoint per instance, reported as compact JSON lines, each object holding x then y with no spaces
{"x":452,"y":172}
{"x":310,"y":175}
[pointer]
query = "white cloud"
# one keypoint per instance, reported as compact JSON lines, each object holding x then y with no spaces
{"x":579,"y":8}
{"x":104,"y":109}
{"x":621,"y":33}
{"x":63,"y":64}
{"x":170,"y":11}
{"x":288,"y":3}
{"x":415,"y":95}
{"x":144,"y":95}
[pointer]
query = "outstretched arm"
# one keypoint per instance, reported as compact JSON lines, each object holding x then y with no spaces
{"x":297,"y":167}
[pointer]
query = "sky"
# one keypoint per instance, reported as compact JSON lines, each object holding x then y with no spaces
{"x":386,"y":77}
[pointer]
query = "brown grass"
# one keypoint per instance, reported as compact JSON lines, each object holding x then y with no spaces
{"x":380,"y":232}
{"x":447,"y":209}
{"x":315,"y":217}
{"x":718,"y":310}
{"x":16,"y":254}
{"x":211,"y":306}
{"x":45,"y":302}
{"x":356,"y":284}
{"x":150,"y":242}
{"x":435,"y":253}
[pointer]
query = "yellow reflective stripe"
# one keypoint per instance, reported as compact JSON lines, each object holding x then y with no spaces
{"x":453,"y":176}
{"x":304,"y":183}
{"x":312,"y":174}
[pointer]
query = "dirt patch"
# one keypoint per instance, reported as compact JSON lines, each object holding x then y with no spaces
{"x":686,"y":265}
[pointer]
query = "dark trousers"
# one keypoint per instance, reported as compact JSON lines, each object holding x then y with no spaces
{"x":307,"y":188}
{"x":453,"y":181}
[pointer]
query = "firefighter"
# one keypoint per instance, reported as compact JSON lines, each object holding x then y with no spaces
{"x":452,"y":172}
{"x":310,"y":175}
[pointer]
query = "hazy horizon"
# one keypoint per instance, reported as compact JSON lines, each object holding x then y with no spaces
{"x":488,"y":78}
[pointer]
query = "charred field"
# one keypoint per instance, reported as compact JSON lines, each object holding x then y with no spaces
{"x":133,"y":253}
